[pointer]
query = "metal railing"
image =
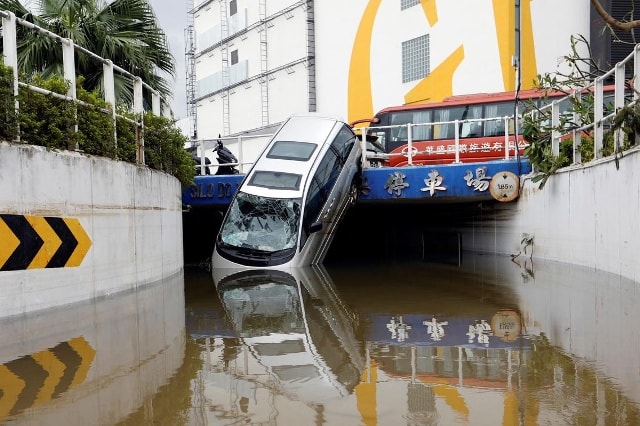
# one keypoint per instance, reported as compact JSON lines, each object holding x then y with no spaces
{"x":510,"y":145}
{"x":238,"y":145}
{"x":602,"y":117}
{"x":69,"y":48}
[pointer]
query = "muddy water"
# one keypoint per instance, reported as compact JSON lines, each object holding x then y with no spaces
{"x":487,"y":342}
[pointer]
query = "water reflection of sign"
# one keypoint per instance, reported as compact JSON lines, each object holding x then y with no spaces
{"x":480,"y":330}
{"x":434,"y":330}
{"x":399,"y":330}
{"x":506,"y":324}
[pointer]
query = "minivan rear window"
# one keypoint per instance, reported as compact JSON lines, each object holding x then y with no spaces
{"x":291,"y":150}
{"x":276,"y":180}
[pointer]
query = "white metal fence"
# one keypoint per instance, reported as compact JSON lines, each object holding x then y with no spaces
{"x":602,"y":118}
{"x":69,"y":49}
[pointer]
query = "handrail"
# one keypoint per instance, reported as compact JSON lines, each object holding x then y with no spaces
{"x":9,"y":35}
{"x":454,"y":149}
{"x":600,"y":119}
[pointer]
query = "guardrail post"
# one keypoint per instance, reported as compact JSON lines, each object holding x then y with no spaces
{"x":138,"y":110}
{"x":201,"y":152}
{"x":363,"y":145}
{"x":577,"y":135}
{"x":598,"y":113}
{"x":10,"y":51}
{"x":507,"y":144}
{"x":456,"y":135}
{"x":618,"y":103}
{"x":155,"y":104}
{"x":69,"y":71}
{"x":636,"y":80}
{"x":409,"y":144}
{"x":636,"y":72}
{"x":240,"y":154}
{"x":555,"y":133}
{"x":110,"y":97}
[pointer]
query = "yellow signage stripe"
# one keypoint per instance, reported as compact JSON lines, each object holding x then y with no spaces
{"x":359,"y":97}
{"x":8,"y":242}
{"x":430,"y":11}
{"x":84,"y":242}
{"x":439,"y":83}
{"x":504,"y":17}
{"x":528,"y":51}
{"x":86,"y":353}
{"x":453,"y":399}
{"x":366,"y":396}
{"x":11,"y":386}
{"x":55,"y":370}
{"x":51,"y":241}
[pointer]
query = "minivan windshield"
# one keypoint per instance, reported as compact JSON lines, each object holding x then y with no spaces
{"x":261,"y":223}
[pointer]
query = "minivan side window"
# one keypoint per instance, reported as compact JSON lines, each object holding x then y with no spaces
{"x":344,"y":141}
{"x":319,"y":189}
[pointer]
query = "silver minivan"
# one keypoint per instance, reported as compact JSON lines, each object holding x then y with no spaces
{"x":287,"y":208}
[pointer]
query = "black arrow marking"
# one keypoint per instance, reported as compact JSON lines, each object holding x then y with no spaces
{"x":33,"y":376}
{"x":30,"y":243}
{"x":69,"y":242}
{"x":65,"y":353}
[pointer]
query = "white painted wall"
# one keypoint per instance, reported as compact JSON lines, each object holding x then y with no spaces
{"x":132,"y":214}
{"x":584,"y":216}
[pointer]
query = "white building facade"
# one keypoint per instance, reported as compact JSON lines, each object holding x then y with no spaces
{"x":255,"y":62}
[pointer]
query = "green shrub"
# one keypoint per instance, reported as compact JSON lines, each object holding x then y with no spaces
{"x":48,"y":121}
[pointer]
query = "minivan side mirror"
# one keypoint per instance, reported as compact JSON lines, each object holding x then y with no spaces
{"x":315,"y":227}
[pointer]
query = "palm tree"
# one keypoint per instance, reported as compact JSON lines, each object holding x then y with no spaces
{"x":124,"y":31}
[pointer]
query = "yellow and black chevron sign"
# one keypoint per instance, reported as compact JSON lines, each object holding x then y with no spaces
{"x":33,"y":379}
{"x":30,"y":242}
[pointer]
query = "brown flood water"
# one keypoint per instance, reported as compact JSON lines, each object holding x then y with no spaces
{"x":489,"y":342}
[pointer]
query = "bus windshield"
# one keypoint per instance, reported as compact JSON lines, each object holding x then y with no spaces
{"x":262,"y":223}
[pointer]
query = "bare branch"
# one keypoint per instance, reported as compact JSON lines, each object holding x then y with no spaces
{"x":613,"y":22}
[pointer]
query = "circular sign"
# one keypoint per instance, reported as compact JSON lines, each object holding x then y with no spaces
{"x":506,"y":325}
{"x":504,"y":186}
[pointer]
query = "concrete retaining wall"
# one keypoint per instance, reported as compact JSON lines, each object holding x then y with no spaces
{"x":584,"y":216}
{"x":131,"y":215}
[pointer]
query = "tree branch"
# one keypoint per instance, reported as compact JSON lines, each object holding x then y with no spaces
{"x":613,"y":22}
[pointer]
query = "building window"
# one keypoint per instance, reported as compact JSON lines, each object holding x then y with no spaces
{"x":234,"y":57}
{"x":406,"y":4}
{"x":233,"y":7}
{"x":415,"y":58}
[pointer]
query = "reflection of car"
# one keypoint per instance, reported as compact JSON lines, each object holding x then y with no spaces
{"x":288,"y":206}
{"x":297,"y":329}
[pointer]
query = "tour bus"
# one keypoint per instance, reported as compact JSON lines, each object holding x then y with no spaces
{"x":484,"y":125}
{"x":288,"y":206}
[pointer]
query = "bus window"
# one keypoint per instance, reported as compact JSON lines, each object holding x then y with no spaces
{"x":446,"y":131}
{"x":399,"y":134}
{"x":499,"y":110}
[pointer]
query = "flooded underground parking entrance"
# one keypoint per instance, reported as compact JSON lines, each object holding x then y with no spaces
{"x":489,"y":341}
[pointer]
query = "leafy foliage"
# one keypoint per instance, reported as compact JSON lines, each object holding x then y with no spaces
{"x":576,"y":111}
{"x":125,"y":31}
{"x":51,"y":122}
{"x":8,"y":117}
